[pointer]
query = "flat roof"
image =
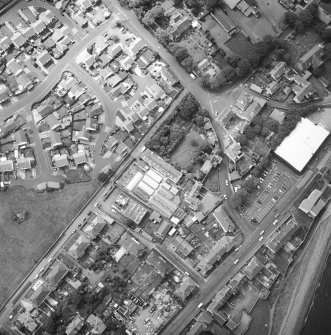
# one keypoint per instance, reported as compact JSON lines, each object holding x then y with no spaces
{"x":299,"y":147}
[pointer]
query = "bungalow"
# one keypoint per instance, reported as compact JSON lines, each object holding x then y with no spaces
{"x":80,"y":19}
{"x":203,"y":65}
{"x":4,"y":93}
{"x":96,"y":110}
{"x":20,"y":138}
{"x":126,"y":63}
{"x":100,"y":45}
{"x":122,"y":122}
{"x":75,"y":325}
{"x":5,"y":43}
{"x":55,"y":139}
{"x":26,"y":15}
{"x":52,"y":121}
{"x":6,"y":165}
{"x":114,"y":50}
{"x":85,"y":59}
{"x":145,"y":59}
{"x":44,"y":59}
{"x":57,"y":35}
{"x":122,"y":149}
{"x":39,"y":26}
{"x":112,"y":142}
{"x":23,"y":163}
{"x":18,"y":40}
{"x":114,"y":80}
{"x":79,"y":157}
{"x":61,"y":161}
{"x":98,"y":327}
{"x":68,"y":83}
{"x":150,"y":103}
{"x":156,"y":91}
{"x":28,"y":33}
{"x":84,"y":4}
{"x":91,"y":124}
{"x":14,"y":67}
{"x":82,"y":136}
{"x":24,"y":82}
{"x":106,"y":72}
{"x":134,"y":47}
{"x":76,"y":91}
{"x":224,"y":21}
{"x":47,"y":17}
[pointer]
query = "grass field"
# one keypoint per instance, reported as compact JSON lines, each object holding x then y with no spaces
{"x":183,"y":154}
{"x":240,"y":45}
{"x":21,"y":245}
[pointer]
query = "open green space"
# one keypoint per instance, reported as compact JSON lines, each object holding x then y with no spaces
{"x":185,"y":152}
{"x":22,"y":245}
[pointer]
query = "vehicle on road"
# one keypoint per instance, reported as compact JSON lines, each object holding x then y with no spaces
{"x":42,"y":269}
{"x":274,"y":223}
{"x":261,"y":238}
{"x":187,"y":274}
{"x":192,"y":76}
{"x":236,"y":261}
{"x":226,"y":183}
{"x":276,"y":216}
{"x":36,"y":276}
{"x":237,"y":248}
{"x":262,"y":232}
{"x":50,"y":259}
{"x":200,"y":305}
{"x":114,"y":210}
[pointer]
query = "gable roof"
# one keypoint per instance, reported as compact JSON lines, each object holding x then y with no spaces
{"x":94,"y":228}
{"x":79,"y":246}
{"x":161,"y":265}
{"x":56,"y":273}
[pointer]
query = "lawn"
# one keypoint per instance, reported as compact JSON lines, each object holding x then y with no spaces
{"x":240,"y":45}
{"x":260,"y":318}
{"x":21,"y":246}
{"x":194,"y":50}
{"x":186,"y":150}
{"x":216,"y":31}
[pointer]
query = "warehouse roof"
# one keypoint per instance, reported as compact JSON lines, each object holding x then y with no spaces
{"x":299,"y":147}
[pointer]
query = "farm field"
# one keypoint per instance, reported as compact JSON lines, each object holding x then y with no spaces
{"x":22,"y":245}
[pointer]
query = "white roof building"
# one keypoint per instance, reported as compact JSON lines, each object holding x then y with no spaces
{"x":300,"y":146}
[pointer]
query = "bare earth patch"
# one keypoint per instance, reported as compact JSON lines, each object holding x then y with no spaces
{"x":21,"y":245}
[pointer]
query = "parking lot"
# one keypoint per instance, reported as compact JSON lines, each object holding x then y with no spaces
{"x":273,"y":185}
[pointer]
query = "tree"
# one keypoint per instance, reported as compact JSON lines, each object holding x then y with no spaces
{"x":199,"y":120}
{"x":178,"y":3}
{"x":236,"y":201}
{"x":233,"y":60}
{"x":242,"y":68}
{"x":211,"y":4}
{"x":254,"y":59}
{"x":162,"y":36}
{"x":228,"y":73}
{"x":154,"y":13}
{"x":187,"y":63}
{"x":242,"y":139}
{"x":250,"y":184}
{"x":249,"y":132}
{"x":102,"y":176}
{"x":188,"y":107}
{"x":181,"y":54}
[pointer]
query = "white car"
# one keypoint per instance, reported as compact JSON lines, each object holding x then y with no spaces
{"x":262,"y":232}
{"x":236,"y":261}
{"x":50,"y":259}
{"x":261,"y":238}
{"x":226,"y":183}
{"x":114,"y":210}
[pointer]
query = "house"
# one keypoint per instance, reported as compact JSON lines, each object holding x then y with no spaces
{"x":303,"y":89}
{"x":163,"y":230}
{"x":233,"y":151}
{"x":203,"y":65}
{"x":312,"y":58}
{"x":97,"y":324}
{"x":112,"y":142}
{"x":23,"y":163}
{"x":272,"y":87}
{"x":312,"y":205}
{"x":114,"y":50}
{"x":56,"y":273}
{"x":94,"y":228}
{"x":131,"y":245}
{"x":52,"y":121}
{"x":207,"y":166}
{"x":28,"y":33}
{"x":215,"y":254}
{"x":278,"y":70}
{"x":252,"y":268}
{"x":75,"y":325}
{"x":79,"y":247}
{"x":162,"y":266}
{"x":91,"y":124}
{"x":224,"y":21}
{"x":178,"y":25}
{"x":324,"y":12}
{"x":37,"y":294}
{"x":135,"y":46}
{"x":122,"y":122}
{"x":60,"y":161}
{"x":282,"y":235}
{"x":84,"y":4}
{"x":81,"y":20}
{"x":100,"y":45}
{"x":44,"y":59}
{"x":27,"y":321}
{"x":223,"y":219}
{"x":79,"y":157}
{"x":277,"y":115}
{"x":186,"y":288}
{"x":96,"y":110}
{"x":4,"y":93}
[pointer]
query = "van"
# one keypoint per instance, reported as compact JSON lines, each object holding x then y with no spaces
{"x":200,"y":305}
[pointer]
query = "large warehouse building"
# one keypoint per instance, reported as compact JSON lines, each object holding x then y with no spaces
{"x":299,"y":147}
